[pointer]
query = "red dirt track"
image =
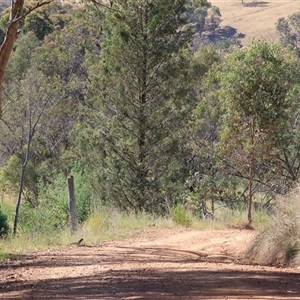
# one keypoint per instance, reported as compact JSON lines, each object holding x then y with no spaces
{"x":159,"y":264}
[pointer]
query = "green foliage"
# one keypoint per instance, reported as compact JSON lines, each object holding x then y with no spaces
{"x":35,"y":92}
{"x":21,"y":59}
{"x":50,"y":215}
{"x":46,"y":19}
{"x":107,"y":223}
{"x":4,"y":256}
{"x":31,"y":85}
{"x":39,"y":24}
{"x":52,"y":212}
{"x":196,"y":12}
{"x":4,"y":18}
{"x":120,"y":95}
{"x":257,"y":86}
{"x":247,"y":117}
{"x":2,"y":36}
{"x":204,"y":58}
{"x":10,"y":179}
{"x":4,"y":227}
{"x":205,"y":178}
{"x":83,"y":197}
{"x":203,"y":17}
{"x":227,"y":45}
{"x":139,"y":82}
{"x":181,"y":217}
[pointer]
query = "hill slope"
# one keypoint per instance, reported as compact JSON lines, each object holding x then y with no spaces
{"x":255,"y":19}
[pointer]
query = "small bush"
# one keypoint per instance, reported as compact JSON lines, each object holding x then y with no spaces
{"x":4,"y":228}
{"x":52,"y":212}
{"x":181,"y":217}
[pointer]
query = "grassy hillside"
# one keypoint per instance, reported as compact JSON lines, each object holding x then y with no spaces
{"x":255,"y":18}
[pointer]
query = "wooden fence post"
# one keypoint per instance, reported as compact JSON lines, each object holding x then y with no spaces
{"x":72,"y":205}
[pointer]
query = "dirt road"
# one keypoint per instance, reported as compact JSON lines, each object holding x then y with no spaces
{"x":160,"y":264}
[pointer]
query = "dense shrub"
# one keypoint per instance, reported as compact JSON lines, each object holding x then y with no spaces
{"x":4,"y":228}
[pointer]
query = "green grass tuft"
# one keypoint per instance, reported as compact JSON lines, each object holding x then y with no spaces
{"x":180,"y":216}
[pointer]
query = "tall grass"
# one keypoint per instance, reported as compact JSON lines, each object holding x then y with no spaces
{"x":279,"y":242}
{"x":109,"y":223}
{"x":104,"y":225}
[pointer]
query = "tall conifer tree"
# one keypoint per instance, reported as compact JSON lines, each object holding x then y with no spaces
{"x":141,"y":101}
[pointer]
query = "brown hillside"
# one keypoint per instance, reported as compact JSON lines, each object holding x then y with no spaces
{"x":255,"y":19}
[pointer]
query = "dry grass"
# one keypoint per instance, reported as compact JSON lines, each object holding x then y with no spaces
{"x":111,"y":224}
{"x":255,"y":19}
{"x":105,"y":225}
{"x":279,"y":242}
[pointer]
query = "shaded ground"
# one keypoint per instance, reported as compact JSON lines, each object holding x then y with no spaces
{"x":223,"y":33}
{"x":160,"y":264}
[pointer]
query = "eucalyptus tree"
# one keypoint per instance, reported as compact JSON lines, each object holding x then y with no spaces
{"x":21,"y":60}
{"x":37,"y":100}
{"x":59,"y":58}
{"x":24,"y":115}
{"x":285,"y":162}
{"x":203,"y":129}
{"x":139,"y":95}
{"x":11,"y":34}
{"x":44,"y":84}
{"x":257,"y":86}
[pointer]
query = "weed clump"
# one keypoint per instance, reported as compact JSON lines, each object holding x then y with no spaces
{"x":181,"y":217}
{"x":4,"y":227}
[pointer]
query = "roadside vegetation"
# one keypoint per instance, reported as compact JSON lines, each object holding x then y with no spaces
{"x":279,"y":242}
{"x":160,"y":119}
{"x":109,"y":223}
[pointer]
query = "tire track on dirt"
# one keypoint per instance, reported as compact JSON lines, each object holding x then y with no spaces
{"x":160,"y":264}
